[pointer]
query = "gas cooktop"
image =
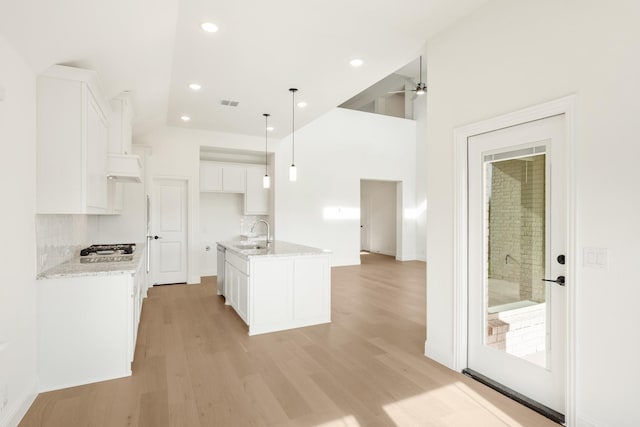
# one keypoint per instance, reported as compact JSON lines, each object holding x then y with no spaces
{"x":112,"y":249}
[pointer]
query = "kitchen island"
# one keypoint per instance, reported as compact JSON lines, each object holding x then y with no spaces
{"x":277,"y":286}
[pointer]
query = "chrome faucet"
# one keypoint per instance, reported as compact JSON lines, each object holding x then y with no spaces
{"x":265,"y":223}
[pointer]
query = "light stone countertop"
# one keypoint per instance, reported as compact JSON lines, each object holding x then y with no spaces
{"x":75,"y":268}
{"x":273,"y":249}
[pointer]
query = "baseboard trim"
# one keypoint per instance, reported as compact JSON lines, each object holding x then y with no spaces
{"x":514,"y":395}
{"x":14,"y":415}
{"x":440,"y":357}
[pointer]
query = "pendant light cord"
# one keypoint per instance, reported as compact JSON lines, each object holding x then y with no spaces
{"x":293,"y":125}
{"x":266,"y":124}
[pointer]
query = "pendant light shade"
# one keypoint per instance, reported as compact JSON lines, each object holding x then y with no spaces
{"x":293,"y":171}
{"x":266,"y":180}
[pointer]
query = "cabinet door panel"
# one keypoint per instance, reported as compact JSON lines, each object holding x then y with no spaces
{"x":210,"y":176}
{"x":243,"y":297}
{"x":271,"y":287}
{"x":97,"y":142}
{"x":256,"y":199}
{"x":311,"y":298}
{"x":233,"y":179}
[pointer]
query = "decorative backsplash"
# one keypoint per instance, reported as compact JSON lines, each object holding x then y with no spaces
{"x":60,"y":238}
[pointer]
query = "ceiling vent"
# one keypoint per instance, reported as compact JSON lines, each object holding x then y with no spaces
{"x":229,"y":103}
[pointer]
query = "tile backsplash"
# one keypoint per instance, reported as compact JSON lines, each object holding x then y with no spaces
{"x":60,"y":237}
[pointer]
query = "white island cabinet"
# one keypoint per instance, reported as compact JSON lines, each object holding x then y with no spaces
{"x":282,"y":286}
{"x":88,"y":317}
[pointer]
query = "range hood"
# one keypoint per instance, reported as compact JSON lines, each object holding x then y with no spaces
{"x":124,"y":168}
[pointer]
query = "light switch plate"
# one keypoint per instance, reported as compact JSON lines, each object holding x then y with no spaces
{"x":596,"y":257}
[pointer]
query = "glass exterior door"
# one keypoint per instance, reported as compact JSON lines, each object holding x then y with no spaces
{"x":516,"y":232}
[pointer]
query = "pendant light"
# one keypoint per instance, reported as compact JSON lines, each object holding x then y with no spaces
{"x":293,"y":172}
{"x":266,"y":181}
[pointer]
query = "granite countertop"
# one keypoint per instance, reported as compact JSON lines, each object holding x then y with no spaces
{"x":75,"y":268}
{"x":273,"y":249}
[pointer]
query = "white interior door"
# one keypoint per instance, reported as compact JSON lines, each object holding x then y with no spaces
{"x":517,"y":221}
{"x":169,"y":224}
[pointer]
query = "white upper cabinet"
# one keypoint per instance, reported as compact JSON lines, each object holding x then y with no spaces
{"x":233,"y":179}
{"x":72,"y":142}
{"x":256,"y":197}
{"x":210,"y":176}
{"x":120,"y":124}
{"x":221,"y":177}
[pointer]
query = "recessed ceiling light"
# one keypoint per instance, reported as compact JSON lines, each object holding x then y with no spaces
{"x":356,"y":62}
{"x":302,"y":104}
{"x":185,"y":118}
{"x":209,"y":27}
{"x":195,"y":86}
{"x":270,"y":128}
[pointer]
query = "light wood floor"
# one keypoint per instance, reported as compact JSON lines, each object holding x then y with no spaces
{"x":195,"y":366}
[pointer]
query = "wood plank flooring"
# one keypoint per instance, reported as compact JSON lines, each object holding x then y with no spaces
{"x":195,"y":366}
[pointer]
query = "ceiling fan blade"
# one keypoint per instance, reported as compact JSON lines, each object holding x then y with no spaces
{"x":403,"y":91}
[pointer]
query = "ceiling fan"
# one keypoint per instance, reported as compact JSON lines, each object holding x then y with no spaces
{"x":421,"y":87}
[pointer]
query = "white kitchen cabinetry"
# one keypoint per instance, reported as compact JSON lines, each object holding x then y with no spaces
{"x":236,"y":284}
{"x":288,"y":292}
{"x":256,"y":197}
{"x":88,"y":327}
{"x":221,"y":177}
{"x":282,"y":287}
{"x":72,"y":140}
{"x":120,"y":126}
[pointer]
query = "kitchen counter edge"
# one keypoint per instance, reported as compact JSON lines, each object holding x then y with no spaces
{"x":276,"y":248}
{"x":74,"y":268}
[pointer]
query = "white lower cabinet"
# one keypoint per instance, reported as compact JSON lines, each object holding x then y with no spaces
{"x":88,"y":327}
{"x":236,"y":284}
{"x":277,"y":293}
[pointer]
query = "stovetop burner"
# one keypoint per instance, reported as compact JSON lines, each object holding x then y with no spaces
{"x":118,"y":248}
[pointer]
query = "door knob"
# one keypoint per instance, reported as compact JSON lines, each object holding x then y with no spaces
{"x":154,"y":237}
{"x":559,"y":280}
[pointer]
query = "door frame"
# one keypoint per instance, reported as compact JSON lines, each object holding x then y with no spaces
{"x":567,"y":107}
{"x":188,"y":182}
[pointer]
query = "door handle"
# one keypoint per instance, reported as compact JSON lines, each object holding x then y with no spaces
{"x":154,"y":237}
{"x":559,"y":280}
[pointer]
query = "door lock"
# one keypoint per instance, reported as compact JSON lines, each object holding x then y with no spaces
{"x":559,"y":280}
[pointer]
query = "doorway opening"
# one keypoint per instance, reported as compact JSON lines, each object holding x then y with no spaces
{"x":379,"y":217}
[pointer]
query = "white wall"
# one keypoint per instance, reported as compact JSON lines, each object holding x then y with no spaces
{"x":18,"y":379}
{"x":420,"y":213}
{"x":222,"y":219}
{"x":381,"y":210}
{"x":175,"y":152}
{"x":513,"y":54}
{"x":333,"y":153}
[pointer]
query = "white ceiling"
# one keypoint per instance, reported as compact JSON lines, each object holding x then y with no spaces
{"x":155,"y":48}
